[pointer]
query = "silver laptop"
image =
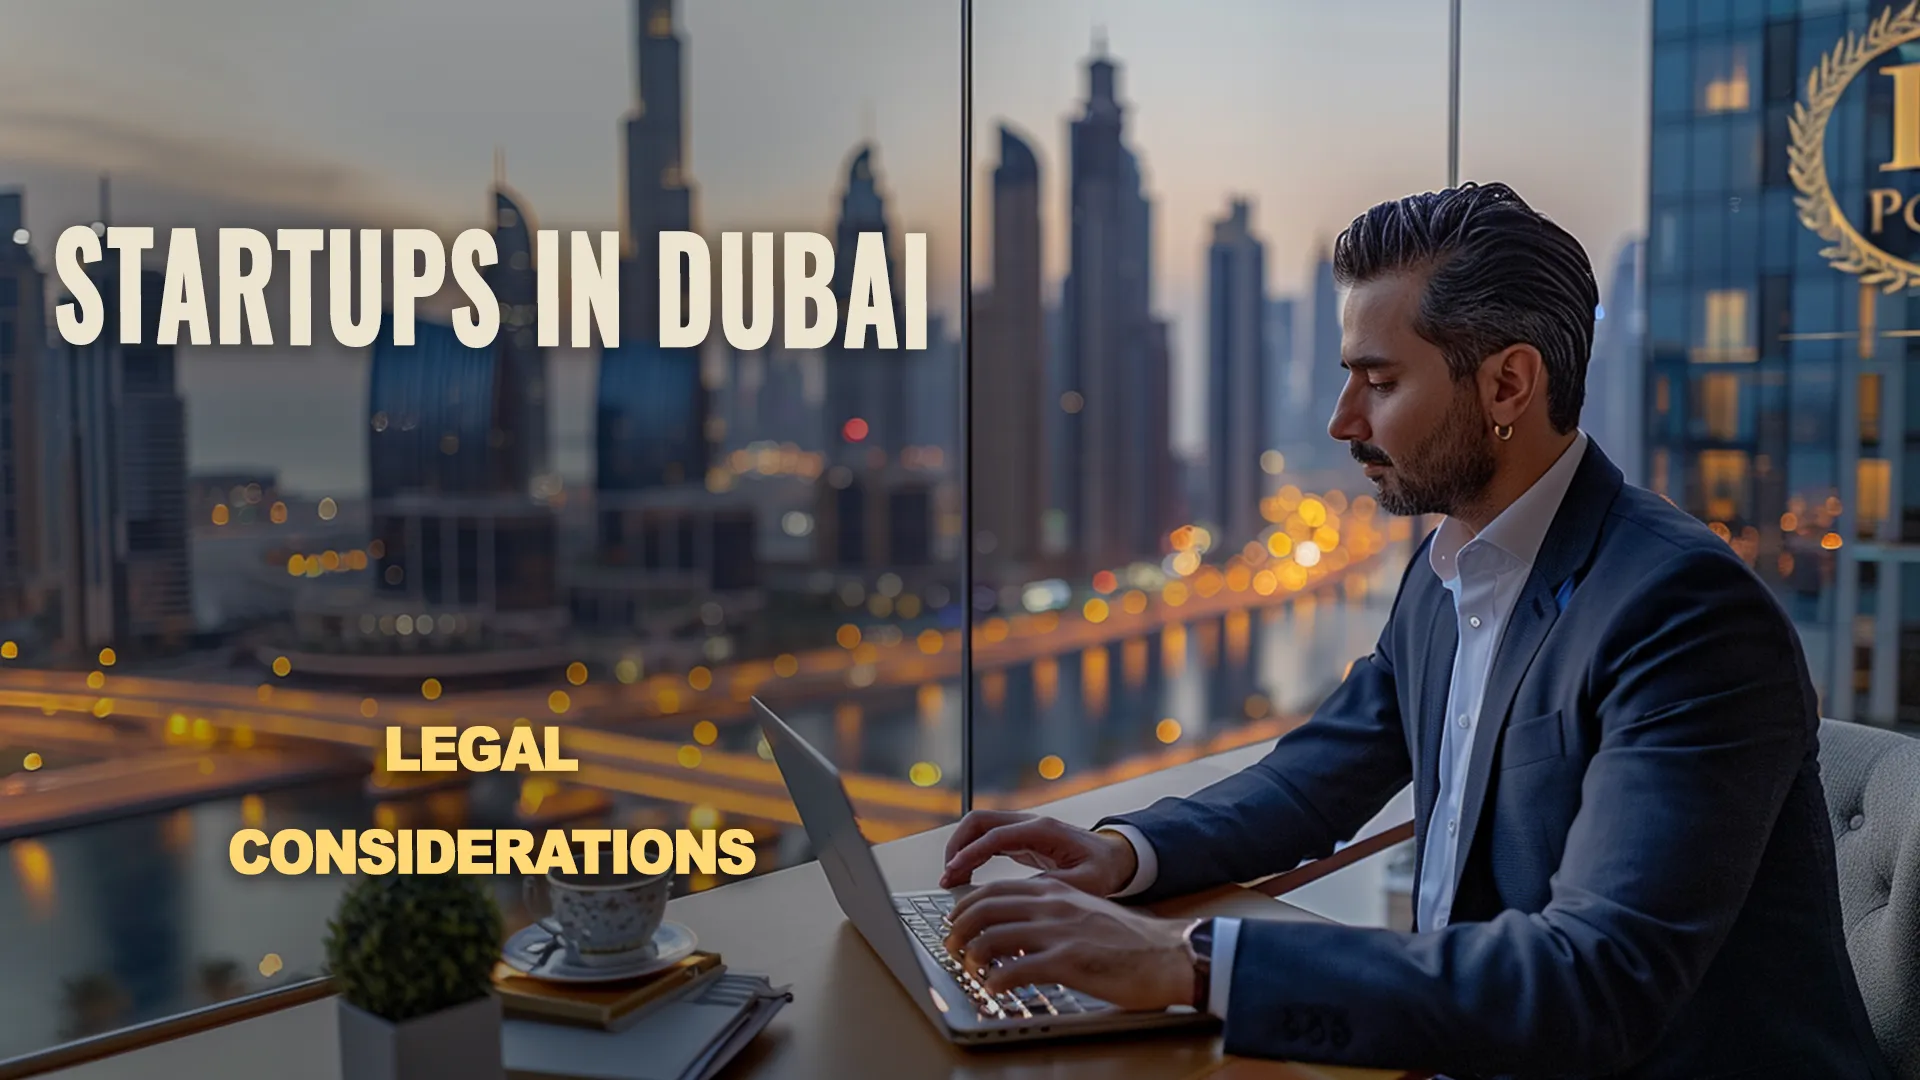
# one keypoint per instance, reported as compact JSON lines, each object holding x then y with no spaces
{"x":907,"y":929}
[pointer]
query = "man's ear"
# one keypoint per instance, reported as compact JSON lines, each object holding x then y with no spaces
{"x":1511,"y":380}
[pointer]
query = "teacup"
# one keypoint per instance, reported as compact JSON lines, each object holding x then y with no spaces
{"x":604,"y":920}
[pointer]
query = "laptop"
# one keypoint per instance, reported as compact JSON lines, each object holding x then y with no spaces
{"x":907,"y":929}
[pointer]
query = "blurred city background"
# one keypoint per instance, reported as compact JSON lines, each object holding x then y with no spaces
{"x":225,"y":570}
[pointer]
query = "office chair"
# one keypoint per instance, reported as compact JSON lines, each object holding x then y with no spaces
{"x":1872,"y":781}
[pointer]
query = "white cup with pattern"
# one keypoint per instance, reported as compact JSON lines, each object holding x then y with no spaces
{"x":603,"y":920}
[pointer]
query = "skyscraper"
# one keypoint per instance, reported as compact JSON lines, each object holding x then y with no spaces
{"x":1286,"y":377}
{"x":1237,"y":373}
{"x":128,"y":577}
{"x":1009,"y":374}
{"x":1325,"y":377}
{"x":1780,"y":389}
{"x":22,"y":347}
{"x":651,"y":405}
{"x":866,"y":386}
{"x":464,"y":557}
{"x":1120,"y":472}
{"x":659,"y":196}
{"x":521,"y":437}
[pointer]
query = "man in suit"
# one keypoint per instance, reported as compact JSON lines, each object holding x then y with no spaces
{"x":1624,"y":861}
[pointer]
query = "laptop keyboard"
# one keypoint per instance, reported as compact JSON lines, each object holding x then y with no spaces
{"x":926,"y":918}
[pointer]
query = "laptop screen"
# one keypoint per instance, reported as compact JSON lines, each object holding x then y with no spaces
{"x":844,"y":854}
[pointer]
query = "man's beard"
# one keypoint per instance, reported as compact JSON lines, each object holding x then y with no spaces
{"x":1447,"y":472}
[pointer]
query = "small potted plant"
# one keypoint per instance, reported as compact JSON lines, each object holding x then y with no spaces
{"x":412,"y":957}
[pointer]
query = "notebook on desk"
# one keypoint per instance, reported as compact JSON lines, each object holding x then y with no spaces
{"x":611,"y":1006}
{"x":689,"y":1038}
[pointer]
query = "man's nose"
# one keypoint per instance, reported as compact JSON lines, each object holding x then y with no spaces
{"x":1349,"y":421}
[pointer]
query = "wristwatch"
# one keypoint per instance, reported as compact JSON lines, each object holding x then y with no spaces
{"x":1199,"y":940}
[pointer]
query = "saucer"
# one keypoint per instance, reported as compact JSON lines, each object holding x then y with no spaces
{"x":671,"y":944}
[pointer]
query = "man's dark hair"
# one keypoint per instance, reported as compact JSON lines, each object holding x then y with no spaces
{"x":1499,"y":273}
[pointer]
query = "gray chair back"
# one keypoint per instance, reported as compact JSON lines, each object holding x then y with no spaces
{"x":1872,"y":781}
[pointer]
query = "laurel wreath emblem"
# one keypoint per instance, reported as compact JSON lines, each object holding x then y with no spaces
{"x":1807,"y":157}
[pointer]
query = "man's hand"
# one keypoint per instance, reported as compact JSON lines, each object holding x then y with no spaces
{"x":1042,"y":930}
{"x":1097,"y":863}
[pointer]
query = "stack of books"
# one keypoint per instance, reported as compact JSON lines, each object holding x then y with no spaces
{"x":614,"y":1006}
{"x":684,"y":1023}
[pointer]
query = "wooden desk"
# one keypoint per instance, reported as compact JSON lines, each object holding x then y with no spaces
{"x":849,"y":1017}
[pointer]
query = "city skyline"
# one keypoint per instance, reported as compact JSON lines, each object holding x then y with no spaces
{"x":562,"y":148}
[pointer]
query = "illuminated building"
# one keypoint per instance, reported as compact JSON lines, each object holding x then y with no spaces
{"x":1779,"y":389}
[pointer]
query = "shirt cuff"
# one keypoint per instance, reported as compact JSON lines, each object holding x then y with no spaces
{"x":1146,"y":866}
{"x":1226,"y":935}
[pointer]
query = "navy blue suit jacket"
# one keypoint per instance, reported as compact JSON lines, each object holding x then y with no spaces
{"x":1648,"y":886}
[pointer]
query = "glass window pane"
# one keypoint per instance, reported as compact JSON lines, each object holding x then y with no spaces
{"x":1672,"y":16}
{"x":1672,"y":79}
{"x":1158,"y":592}
{"x":1670,"y":160}
{"x":603,"y":535}
{"x":1709,"y":166}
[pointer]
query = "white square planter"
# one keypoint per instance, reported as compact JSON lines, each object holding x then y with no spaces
{"x":462,"y":1042}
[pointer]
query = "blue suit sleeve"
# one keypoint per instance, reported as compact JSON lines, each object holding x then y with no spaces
{"x":1705,"y":719}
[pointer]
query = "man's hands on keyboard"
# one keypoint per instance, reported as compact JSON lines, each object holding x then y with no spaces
{"x":1041,"y":930}
{"x":926,"y":917}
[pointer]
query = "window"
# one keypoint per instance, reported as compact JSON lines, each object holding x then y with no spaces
{"x":1725,"y":336}
{"x":1718,"y":404}
{"x":1723,"y":485}
{"x":1672,"y":17}
{"x":1873,"y":495}
{"x":1746,"y":147}
{"x":1721,"y":76}
{"x":1783,"y":75}
{"x":1670,"y":160}
{"x":1709,"y":149}
{"x":1672,"y":65}
{"x":1869,"y":402}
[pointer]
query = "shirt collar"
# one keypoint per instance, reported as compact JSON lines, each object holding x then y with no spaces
{"x":1521,"y":528}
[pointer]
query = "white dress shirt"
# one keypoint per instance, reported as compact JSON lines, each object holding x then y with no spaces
{"x":1485,"y":575}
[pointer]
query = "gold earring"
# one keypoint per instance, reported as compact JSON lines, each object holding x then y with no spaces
{"x":1503,"y":431}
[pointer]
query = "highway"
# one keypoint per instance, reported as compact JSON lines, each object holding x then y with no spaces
{"x":652,"y":737}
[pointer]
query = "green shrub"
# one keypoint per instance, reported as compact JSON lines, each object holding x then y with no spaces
{"x":405,"y":945}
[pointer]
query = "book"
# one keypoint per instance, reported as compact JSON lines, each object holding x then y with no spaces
{"x":692,"y":1036}
{"x":612,"y":1006}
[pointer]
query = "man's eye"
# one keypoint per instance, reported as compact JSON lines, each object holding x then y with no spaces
{"x":1380,"y":387}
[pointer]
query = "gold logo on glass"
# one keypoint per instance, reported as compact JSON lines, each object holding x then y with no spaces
{"x":1851,"y":249}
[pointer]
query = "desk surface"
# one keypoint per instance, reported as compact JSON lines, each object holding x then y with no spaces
{"x":848,"y":1016}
